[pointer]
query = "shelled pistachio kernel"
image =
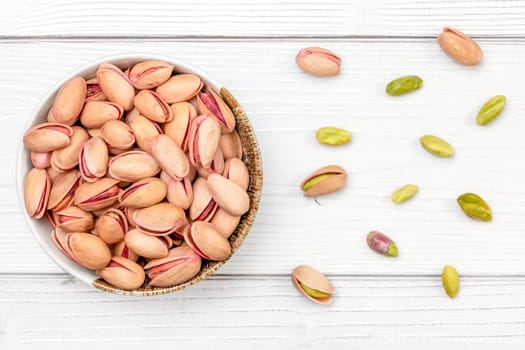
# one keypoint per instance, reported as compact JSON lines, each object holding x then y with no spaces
{"x":436,"y":146}
{"x":381,"y":243}
{"x":450,"y":280}
{"x":491,"y":110}
{"x":404,"y":85}
{"x":333,"y":136}
{"x":475,"y":207}
{"x":404,"y":193}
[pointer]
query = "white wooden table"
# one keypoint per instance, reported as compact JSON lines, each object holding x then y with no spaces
{"x":250,"y":47}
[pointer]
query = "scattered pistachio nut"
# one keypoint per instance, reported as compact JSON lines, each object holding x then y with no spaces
{"x":318,"y":61}
{"x":323,"y":181}
{"x":313,"y":284}
{"x":382,"y":244}
{"x":475,"y":207}
{"x":460,"y":47}
{"x":450,"y":279}
{"x":436,"y":146}
{"x":404,"y":193}
{"x":333,"y":136}
{"x":491,"y":109}
{"x":404,"y":85}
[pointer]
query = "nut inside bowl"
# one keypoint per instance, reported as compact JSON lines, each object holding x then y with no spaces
{"x":251,"y":157}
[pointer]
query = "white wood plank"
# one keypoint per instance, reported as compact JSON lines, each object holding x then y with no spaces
{"x":50,"y":311}
{"x":286,"y":107}
{"x":259,"y":18}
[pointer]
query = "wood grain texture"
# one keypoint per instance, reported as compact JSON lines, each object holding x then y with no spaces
{"x":264,"y":312}
{"x":286,"y":106}
{"x":239,"y":18}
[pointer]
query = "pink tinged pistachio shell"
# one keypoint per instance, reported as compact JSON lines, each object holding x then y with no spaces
{"x":63,"y":190}
{"x":121,"y":249}
{"x":193,"y":171}
{"x":236,"y":171}
{"x":150,"y":74}
{"x":179,"y":88}
{"x":160,"y":219}
{"x":93,"y":159}
{"x":208,"y":102}
{"x":150,"y":247}
{"x":94,"y":92}
{"x":96,"y":195}
{"x":94,"y":132}
{"x":216,"y":166}
{"x":304,"y":275}
{"x":133,"y":166}
{"x":111,"y":226}
{"x":228,"y":195}
{"x":116,"y":85}
{"x":51,"y":117}
{"x":118,"y":134}
{"x":143,"y":193}
{"x":123,"y":273}
{"x":53,"y":174}
{"x":47,"y":137}
{"x":144,"y":130}
{"x":36,"y":192}
{"x":331,"y":179}
{"x":204,"y":140}
{"x":170,"y":157}
{"x":179,"y":127}
{"x":230,"y":145}
{"x":153,"y":107}
{"x":460,"y":46}
{"x":207,"y":241}
{"x":318,"y":61}
{"x":73,"y":219}
{"x":60,"y":238}
{"x":69,"y":101}
{"x":129,"y":214}
{"x":41,"y":160}
{"x":130,"y":115}
{"x":179,"y":192}
{"x":225,"y":223}
{"x":67,"y":158}
{"x":88,"y":250}
{"x":96,"y":113}
{"x":203,"y":206}
{"x":381,"y":244}
{"x":181,"y":265}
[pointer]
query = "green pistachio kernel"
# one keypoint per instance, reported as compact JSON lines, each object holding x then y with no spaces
{"x":491,"y":109}
{"x":404,"y":193}
{"x":315,"y":180}
{"x":450,"y":280}
{"x":404,"y":85}
{"x":475,"y":207}
{"x":333,"y":136}
{"x":436,"y":146}
{"x":313,"y":292}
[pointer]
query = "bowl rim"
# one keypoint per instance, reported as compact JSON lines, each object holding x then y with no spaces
{"x":69,"y":266}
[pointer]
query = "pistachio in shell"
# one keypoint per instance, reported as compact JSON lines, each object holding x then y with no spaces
{"x":313,"y":284}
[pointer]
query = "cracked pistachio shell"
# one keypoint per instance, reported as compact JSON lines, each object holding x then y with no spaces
{"x":133,"y":166}
{"x":88,"y":250}
{"x":491,"y":109}
{"x":313,"y":284}
{"x":123,"y":273}
{"x":144,"y":130}
{"x":111,"y":226}
{"x":63,"y":190}
{"x":143,"y":193}
{"x":91,"y":196}
{"x":228,"y":195}
{"x":170,"y":157}
{"x":332,"y":136}
{"x":323,"y":181}
{"x":404,"y":193}
{"x":436,"y":146}
{"x":203,"y":206}
{"x":450,"y":280}
{"x":150,"y":74}
{"x":179,"y":192}
{"x":117,"y":134}
{"x":236,"y":171}
{"x":230,"y":145}
{"x":160,"y":219}
{"x":74,"y":219}
{"x":121,"y":249}
{"x":203,"y":142}
{"x":179,"y":127}
{"x":404,"y":85}
{"x":93,"y":159}
{"x":210,"y":103}
{"x":37,"y":187}
{"x":152,"y":106}
{"x":206,"y":240}
{"x":460,"y":47}
{"x":116,"y":85}
{"x":318,"y":61}
{"x":148,"y":246}
{"x":382,"y":244}
{"x":41,"y":160}
{"x":69,"y":101}
{"x":47,"y":137}
{"x":96,"y":113}
{"x":94,"y":92}
{"x":216,"y":166}
{"x":67,"y":158}
{"x":181,"y":265}
{"x":179,"y":88}
{"x":475,"y":207}
{"x":225,"y":223}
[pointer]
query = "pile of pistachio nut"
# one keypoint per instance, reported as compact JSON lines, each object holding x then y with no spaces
{"x":140,"y":172}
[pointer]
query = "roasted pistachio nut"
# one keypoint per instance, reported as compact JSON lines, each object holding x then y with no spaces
{"x":323,"y":181}
{"x":160,"y":219}
{"x":211,"y":104}
{"x":148,"y":246}
{"x":143,"y":193}
{"x":117,"y":134}
{"x":150,"y":74}
{"x":313,"y":284}
{"x":73,"y":219}
{"x":123,"y":273}
{"x":318,"y":61}
{"x":236,"y":171}
{"x":225,"y":223}
{"x":96,"y":113}
{"x":436,"y":146}
{"x":382,"y":244}
{"x":152,"y":106}
{"x":491,"y":109}
{"x":144,"y":131}
{"x":96,"y":195}
{"x":94,"y":92}
{"x":207,"y":241}
{"x":37,"y":187}
{"x":404,"y":85}
{"x":230,"y":145}
{"x":179,"y":192}
{"x":47,"y":137}
{"x":67,"y":158}
{"x":179,"y":127}
{"x":170,"y":157}
{"x":69,"y":101}
{"x":450,"y":279}
{"x":203,"y":141}
{"x":180,"y":88}
{"x":121,"y":249}
{"x":88,"y":250}
{"x":116,"y":85}
{"x":333,"y":136}
{"x":404,"y":193}
{"x":93,"y":159}
{"x":475,"y":207}
{"x":228,"y":195}
{"x":181,"y":265}
{"x":111,"y":226}
{"x":460,"y":47}
{"x":203,"y":206}
{"x":41,"y":160}
{"x":133,"y":166}
{"x":63,"y":190}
